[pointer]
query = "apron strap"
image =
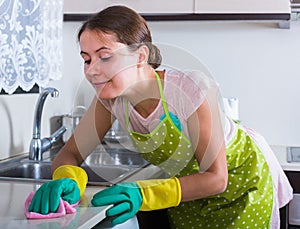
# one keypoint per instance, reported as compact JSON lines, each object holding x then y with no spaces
{"x":162,"y":96}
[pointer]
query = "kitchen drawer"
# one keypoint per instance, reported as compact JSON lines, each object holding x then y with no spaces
{"x":294,"y":179}
{"x":293,"y":209}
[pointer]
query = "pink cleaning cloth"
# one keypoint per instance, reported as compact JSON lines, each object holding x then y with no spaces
{"x":63,"y":209}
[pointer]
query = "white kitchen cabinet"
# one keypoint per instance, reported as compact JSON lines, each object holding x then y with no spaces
{"x":242,"y":6}
{"x":141,"y":6}
{"x":157,"y":10}
{"x":255,"y":10}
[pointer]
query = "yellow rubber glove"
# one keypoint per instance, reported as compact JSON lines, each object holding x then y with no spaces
{"x":160,"y":194}
{"x":73,"y":172}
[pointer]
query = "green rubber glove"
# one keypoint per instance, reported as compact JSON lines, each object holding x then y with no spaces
{"x":47,"y":197}
{"x":126,"y":199}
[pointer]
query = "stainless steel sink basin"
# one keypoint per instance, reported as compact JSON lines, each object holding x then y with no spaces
{"x":27,"y":170}
{"x":115,"y":157}
{"x":103,"y":166}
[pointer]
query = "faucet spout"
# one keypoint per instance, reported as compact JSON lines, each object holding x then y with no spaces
{"x":39,"y":110}
{"x":38,"y":145}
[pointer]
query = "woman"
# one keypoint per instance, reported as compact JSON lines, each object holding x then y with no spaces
{"x":220,"y":174}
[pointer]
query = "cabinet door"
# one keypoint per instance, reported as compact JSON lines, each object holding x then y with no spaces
{"x":242,"y":6}
{"x":141,"y":6}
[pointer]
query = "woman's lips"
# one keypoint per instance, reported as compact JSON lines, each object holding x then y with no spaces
{"x":100,"y":84}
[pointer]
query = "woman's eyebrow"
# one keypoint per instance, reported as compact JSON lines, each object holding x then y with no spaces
{"x":99,"y":49}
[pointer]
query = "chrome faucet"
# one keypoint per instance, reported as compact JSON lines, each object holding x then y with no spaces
{"x":37,"y":145}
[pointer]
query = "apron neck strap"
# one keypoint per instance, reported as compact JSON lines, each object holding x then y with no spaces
{"x":162,"y":96}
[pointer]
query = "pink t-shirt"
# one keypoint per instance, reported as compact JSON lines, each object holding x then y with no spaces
{"x":184,"y":93}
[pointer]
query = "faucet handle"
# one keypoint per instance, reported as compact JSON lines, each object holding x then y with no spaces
{"x":39,"y":146}
{"x":48,"y":142}
{"x":57,"y":134}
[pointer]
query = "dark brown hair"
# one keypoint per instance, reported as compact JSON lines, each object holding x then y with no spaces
{"x":129,"y":27}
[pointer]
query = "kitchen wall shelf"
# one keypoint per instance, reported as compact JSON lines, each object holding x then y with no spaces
{"x":193,"y":17}
{"x":283,"y":19}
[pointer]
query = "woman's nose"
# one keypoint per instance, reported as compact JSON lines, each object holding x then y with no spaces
{"x":93,"y":69}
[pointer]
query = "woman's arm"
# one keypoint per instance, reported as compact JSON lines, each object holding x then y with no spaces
{"x":89,"y":132}
{"x":206,"y":130}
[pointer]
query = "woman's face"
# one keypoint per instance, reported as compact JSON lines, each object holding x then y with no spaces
{"x":108,"y":65}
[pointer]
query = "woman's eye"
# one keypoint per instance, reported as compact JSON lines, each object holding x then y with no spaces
{"x":87,"y":61}
{"x":105,"y":57}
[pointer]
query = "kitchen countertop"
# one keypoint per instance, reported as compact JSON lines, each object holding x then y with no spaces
{"x":15,"y":193}
{"x":12,"y":214}
{"x":13,"y":196}
{"x":281,"y":154}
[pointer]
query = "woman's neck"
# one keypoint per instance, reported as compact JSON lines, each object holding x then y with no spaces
{"x":147,"y":95}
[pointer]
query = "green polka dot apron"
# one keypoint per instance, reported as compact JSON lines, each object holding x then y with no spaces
{"x":246,"y":203}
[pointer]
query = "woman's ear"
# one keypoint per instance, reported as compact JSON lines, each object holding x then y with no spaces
{"x":143,"y":52}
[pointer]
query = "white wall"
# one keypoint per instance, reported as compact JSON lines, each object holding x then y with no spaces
{"x":256,"y":62}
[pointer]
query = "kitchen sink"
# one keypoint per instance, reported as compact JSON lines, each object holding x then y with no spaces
{"x":103,"y":166}
{"x":27,"y":170}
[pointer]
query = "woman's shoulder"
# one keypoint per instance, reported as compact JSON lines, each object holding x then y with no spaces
{"x":185,"y":90}
{"x":190,"y":79}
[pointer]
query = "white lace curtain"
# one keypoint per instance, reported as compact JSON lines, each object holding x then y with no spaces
{"x":30,"y":43}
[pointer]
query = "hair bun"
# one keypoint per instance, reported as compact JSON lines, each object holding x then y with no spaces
{"x":155,"y":57}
